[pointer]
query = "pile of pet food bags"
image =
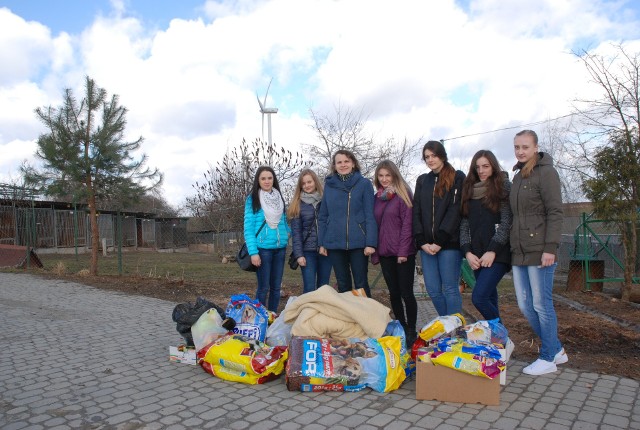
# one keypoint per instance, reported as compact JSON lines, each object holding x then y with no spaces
{"x":473,"y":349}
{"x":249,"y":344}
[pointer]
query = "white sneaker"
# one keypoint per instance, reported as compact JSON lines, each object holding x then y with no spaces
{"x":540,"y":367}
{"x":509,"y":347}
{"x":561,"y":357}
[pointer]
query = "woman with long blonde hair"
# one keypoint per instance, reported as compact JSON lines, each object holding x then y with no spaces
{"x":396,"y":250}
{"x":303,"y":215}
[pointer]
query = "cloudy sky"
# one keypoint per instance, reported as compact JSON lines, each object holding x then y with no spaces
{"x":188,"y":70}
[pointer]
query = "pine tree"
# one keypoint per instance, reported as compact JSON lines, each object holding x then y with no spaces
{"x":85,"y":158}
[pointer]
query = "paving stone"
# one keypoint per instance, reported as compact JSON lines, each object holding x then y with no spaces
{"x":71,"y":391}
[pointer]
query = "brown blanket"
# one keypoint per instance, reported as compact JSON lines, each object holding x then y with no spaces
{"x":325,"y":313}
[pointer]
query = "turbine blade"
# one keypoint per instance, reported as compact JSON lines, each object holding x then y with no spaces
{"x":260,"y":103}
{"x":265,"y":94}
{"x":263,"y":126}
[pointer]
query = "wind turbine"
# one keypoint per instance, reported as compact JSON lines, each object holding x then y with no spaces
{"x":268,"y":111}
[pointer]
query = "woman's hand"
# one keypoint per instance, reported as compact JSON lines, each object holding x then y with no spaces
{"x":474,"y":262}
{"x":487,"y":259}
{"x":547,"y":259}
{"x":255,"y":260}
{"x":322,"y":251}
{"x":431,"y":248}
{"x":402,"y":260}
{"x":302,"y":261}
{"x":369,"y":250}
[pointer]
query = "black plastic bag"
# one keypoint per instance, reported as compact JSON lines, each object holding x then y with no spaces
{"x":186,"y":314}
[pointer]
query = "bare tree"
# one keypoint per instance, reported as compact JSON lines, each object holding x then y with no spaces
{"x":607,"y":151}
{"x":220,"y":196}
{"x":345,"y":128}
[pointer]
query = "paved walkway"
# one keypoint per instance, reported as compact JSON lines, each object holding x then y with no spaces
{"x":77,"y":357}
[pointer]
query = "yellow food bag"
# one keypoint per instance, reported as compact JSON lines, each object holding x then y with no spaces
{"x":440,"y":326}
{"x":235,"y":357}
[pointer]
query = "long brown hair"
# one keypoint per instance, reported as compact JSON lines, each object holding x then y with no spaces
{"x":526,"y":170}
{"x":448,"y":173}
{"x":294,"y":207}
{"x":495,"y":194}
{"x":398,"y":182}
{"x":255,"y":188}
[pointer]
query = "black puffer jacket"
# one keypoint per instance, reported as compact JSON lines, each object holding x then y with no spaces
{"x":437,"y":219}
{"x":484,"y":230}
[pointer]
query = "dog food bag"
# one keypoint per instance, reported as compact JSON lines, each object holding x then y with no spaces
{"x":487,"y":331}
{"x":441,"y":326}
{"x":252,"y":319}
{"x":469,"y":363}
{"x":317,"y":364}
{"x":457,"y":344}
{"x":238,"y":358}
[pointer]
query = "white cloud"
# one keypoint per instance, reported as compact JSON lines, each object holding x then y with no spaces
{"x":420,"y":69}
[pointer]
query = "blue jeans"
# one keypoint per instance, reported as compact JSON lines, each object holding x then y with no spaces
{"x":534,"y":291}
{"x":485,"y":293}
{"x":441,"y":274}
{"x":350,"y":262}
{"x":270,"y":276}
{"x":317,"y":271}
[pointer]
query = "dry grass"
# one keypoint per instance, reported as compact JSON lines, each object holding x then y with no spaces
{"x":180,"y":266}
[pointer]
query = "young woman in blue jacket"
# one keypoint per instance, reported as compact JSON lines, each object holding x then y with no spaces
{"x":266,"y":234}
{"x":347,"y":230}
{"x":436,"y":228}
{"x":396,"y":250}
{"x":303,"y":213}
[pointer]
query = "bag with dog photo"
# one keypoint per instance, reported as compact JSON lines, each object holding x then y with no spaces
{"x":250,"y":316}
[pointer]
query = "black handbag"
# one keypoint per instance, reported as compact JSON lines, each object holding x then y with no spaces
{"x":243,"y":258}
{"x":293,"y":262}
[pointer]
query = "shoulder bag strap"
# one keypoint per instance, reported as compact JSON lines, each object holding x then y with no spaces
{"x":260,"y":229}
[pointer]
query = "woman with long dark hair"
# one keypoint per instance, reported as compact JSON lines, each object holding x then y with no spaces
{"x":266,"y":234}
{"x":484,"y":230}
{"x":436,"y":228}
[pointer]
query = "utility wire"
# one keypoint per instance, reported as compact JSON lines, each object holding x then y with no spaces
{"x":508,"y":128}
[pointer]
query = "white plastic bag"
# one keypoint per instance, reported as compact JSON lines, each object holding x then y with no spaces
{"x":279,"y":333}
{"x":207,"y":329}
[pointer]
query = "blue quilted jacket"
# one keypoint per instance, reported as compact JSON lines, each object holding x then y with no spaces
{"x":345,"y":219}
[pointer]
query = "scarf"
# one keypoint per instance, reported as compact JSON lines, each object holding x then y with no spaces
{"x":345,"y":178}
{"x":385,"y":194}
{"x":479,"y":190}
{"x":272,"y":206}
{"x":311,"y":198}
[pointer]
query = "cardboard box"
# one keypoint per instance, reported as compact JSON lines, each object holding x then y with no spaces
{"x":186,"y":355}
{"x":448,"y":385}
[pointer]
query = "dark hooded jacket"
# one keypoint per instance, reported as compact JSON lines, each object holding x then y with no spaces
{"x":536,"y":203}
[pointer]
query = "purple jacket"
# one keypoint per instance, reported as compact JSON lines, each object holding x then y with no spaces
{"x":395,"y":221}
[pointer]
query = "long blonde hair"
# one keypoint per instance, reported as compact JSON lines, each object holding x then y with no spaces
{"x":526,"y":170}
{"x":398,"y":182}
{"x":294,"y":207}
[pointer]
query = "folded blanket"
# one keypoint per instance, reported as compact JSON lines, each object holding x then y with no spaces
{"x":325,"y":313}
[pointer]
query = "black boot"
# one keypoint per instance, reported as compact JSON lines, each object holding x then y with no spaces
{"x":411,"y":336}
